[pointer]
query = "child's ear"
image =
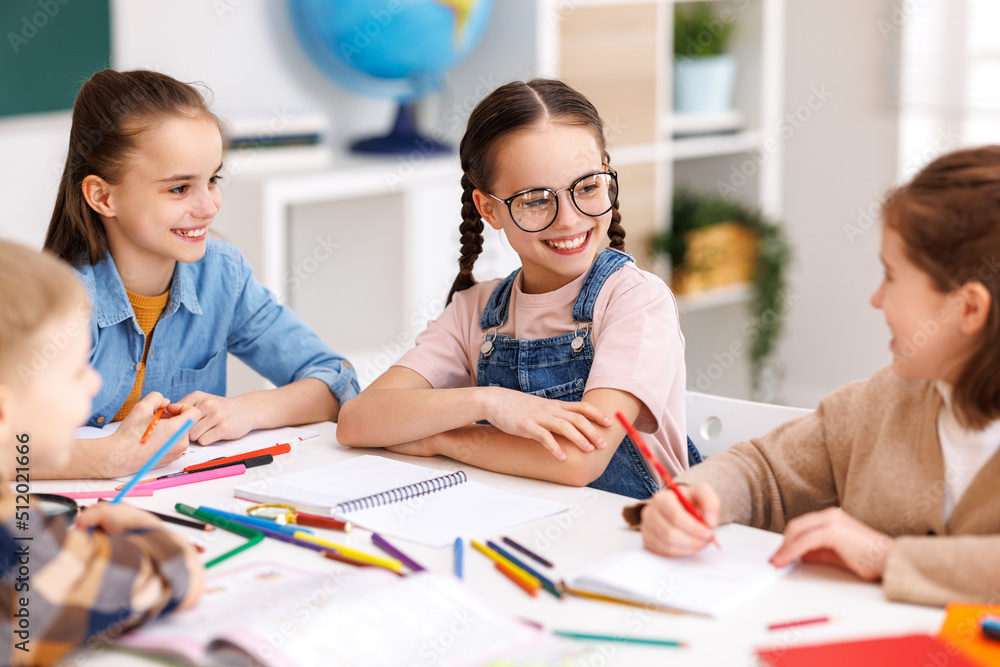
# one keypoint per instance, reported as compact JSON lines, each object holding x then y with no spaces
{"x":97,"y":192}
{"x":975,"y":307}
{"x":487,"y":207}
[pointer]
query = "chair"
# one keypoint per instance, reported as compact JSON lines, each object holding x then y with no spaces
{"x":716,"y":423}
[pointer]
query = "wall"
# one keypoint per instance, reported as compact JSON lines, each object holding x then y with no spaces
{"x":839,"y":159}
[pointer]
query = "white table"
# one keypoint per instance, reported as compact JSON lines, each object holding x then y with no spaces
{"x":591,"y":530}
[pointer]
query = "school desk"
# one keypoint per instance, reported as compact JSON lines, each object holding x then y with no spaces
{"x":592,"y":529}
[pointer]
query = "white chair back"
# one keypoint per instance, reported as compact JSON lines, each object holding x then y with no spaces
{"x":716,"y":423}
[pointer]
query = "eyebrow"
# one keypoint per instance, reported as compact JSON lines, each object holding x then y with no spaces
{"x":186,"y":177}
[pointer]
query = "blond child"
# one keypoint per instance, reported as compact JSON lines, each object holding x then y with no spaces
{"x":62,"y":585}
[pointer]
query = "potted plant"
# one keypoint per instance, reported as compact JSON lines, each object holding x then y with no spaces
{"x":704,"y":74}
{"x":713,"y":242}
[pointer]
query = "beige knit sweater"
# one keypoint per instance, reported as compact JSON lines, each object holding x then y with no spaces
{"x":872,"y":448}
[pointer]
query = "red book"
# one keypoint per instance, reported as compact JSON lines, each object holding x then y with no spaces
{"x":903,"y":651}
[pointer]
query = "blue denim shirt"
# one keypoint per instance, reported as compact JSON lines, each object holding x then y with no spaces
{"x":215,"y":306}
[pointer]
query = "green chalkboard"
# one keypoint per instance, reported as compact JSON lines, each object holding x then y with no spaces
{"x":49,"y":48}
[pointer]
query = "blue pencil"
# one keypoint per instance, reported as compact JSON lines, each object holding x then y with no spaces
{"x":153,"y":460}
{"x":265,"y":525}
{"x":546,"y":583}
{"x":458,"y":557}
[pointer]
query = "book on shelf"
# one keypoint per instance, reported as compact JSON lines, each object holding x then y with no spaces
{"x":423,"y":505}
{"x":271,"y":615}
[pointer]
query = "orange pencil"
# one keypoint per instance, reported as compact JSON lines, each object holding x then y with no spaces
{"x":648,"y":455}
{"x":152,"y":425}
{"x":517,"y":579}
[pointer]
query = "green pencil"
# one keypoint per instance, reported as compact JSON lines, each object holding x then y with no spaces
{"x":619,"y":638}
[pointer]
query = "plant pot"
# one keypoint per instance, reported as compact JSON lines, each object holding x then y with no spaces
{"x":722,"y":254}
{"x":704,"y":85}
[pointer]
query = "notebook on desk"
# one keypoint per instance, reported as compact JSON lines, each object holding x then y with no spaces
{"x":423,"y":505}
{"x":196,"y":454}
{"x":713,"y":582}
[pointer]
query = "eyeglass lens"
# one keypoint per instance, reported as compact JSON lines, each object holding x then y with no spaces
{"x":593,"y":195}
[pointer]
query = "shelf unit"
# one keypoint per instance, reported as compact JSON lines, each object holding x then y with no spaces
{"x":366,"y":253}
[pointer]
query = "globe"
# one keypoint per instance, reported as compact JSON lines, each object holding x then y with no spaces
{"x":399,"y":49}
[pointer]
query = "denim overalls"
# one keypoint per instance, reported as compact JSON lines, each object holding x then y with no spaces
{"x":558,"y":367}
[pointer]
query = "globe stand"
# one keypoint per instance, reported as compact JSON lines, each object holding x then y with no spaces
{"x":403,"y":139}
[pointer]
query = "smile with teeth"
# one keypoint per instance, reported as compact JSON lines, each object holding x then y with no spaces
{"x":191,"y":233}
{"x":568,"y":244}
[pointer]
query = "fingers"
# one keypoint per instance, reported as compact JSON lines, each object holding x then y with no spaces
{"x":668,"y":529}
{"x":115,"y":519}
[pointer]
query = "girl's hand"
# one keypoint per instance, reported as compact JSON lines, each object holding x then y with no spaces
{"x":542,"y":419}
{"x":221,"y":418}
{"x":668,"y":528}
{"x":126,"y":454}
{"x":833,"y":537}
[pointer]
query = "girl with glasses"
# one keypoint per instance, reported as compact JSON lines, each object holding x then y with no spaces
{"x":523,"y":375}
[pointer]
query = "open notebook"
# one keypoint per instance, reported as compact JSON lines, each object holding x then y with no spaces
{"x":271,"y":615}
{"x":196,"y":454}
{"x":424,"y":505}
{"x":713,"y":582}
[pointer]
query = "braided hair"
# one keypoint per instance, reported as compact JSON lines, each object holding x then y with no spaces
{"x":511,"y":107}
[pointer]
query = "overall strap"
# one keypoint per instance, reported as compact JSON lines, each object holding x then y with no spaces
{"x":496,"y":309}
{"x":609,"y":261}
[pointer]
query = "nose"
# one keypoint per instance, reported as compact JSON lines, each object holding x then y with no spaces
{"x":207,"y":204}
{"x":876,"y":298}
{"x":568,"y":215}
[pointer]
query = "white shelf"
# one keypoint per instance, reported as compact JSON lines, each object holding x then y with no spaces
{"x":692,"y":148}
{"x":728,"y":295}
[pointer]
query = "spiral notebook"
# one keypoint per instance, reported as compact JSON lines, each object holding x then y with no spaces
{"x":423,"y":505}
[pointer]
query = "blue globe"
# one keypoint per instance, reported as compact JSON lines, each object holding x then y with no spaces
{"x":389,"y":48}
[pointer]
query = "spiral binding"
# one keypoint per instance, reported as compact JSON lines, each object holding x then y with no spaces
{"x":402,"y":493}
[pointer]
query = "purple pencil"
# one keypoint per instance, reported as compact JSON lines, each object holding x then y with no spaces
{"x":384,"y":545}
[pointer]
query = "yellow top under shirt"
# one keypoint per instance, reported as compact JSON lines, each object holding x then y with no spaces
{"x":147,"y":314}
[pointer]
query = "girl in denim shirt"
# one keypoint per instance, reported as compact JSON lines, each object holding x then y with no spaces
{"x":520,"y":375}
{"x":137,"y":197}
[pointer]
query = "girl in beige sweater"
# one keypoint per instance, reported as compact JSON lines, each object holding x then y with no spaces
{"x":894,"y":478}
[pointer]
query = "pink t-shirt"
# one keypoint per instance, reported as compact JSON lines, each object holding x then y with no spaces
{"x":638,"y":347}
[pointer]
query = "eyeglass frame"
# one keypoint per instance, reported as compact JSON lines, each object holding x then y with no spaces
{"x":509,"y":200}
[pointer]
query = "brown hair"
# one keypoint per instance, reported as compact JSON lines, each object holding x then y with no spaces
{"x":511,"y":107}
{"x":111,"y":111}
{"x":949,"y":218}
{"x":34,"y":289}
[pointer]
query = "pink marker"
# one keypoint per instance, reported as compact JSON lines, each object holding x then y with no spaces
{"x":192,"y":477}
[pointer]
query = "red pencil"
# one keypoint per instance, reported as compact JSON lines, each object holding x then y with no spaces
{"x":804,"y":621}
{"x":152,"y":425}
{"x":513,"y":576}
{"x":648,"y":455}
{"x":273,"y":450}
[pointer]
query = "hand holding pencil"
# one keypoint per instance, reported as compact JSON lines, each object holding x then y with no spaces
{"x":676,"y":522}
{"x":127,"y":451}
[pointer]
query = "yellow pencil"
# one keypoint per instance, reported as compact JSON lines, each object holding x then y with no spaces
{"x":388,"y":563}
{"x":528,"y":578}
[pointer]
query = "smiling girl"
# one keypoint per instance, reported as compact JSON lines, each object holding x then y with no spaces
{"x":137,"y":199}
{"x":519,"y":375}
{"x":895,"y":477}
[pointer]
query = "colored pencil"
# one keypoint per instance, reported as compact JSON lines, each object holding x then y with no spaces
{"x":253,"y":536}
{"x":169,"y":518}
{"x":153,"y":460}
{"x":804,"y":621}
{"x":546,"y":583}
{"x":648,"y":455}
{"x":273,"y":450}
{"x":516,"y":578}
{"x":527,"y":552}
{"x":617,"y":638}
{"x":152,"y":425}
{"x":390,"y":564}
{"x":393,"y":551}
{"x":255,"y":522}
{"x":110,"y":493}
{"x":531,"y":580}
{"x":459,"y":551}
{"x":203,"y":476}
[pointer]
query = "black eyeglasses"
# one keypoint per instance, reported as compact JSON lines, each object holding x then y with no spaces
{"x":535,"y":210}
